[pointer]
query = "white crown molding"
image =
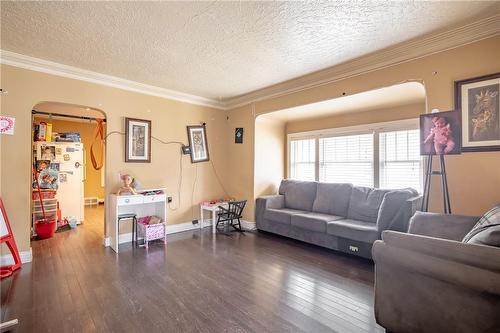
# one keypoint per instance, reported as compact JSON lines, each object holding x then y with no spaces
{"x":397,"y":54}
{"x":49,"y":67}
{"x":406,"y":51}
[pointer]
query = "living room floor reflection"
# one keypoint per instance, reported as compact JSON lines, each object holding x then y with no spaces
{"x":251,"y":282}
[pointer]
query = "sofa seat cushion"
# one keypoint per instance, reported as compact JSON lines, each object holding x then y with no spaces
{"x":353,"y":229}
{"x":282,"y":215}
{"x":298,"y":194}
{"x":365,"y":203}
{"x":332,"y":198}
{"x":313,"y":221}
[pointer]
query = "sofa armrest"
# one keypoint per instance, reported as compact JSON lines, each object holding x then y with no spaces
{"x":435,"y":267}
{"x":396,"y":213}
{"x":414,"y":204}
{"x":482,"y":256}
{"x":269,"y":201}
{"x":273,"y":201}
{"x":453,"y":227}
{"x":409,"y":209}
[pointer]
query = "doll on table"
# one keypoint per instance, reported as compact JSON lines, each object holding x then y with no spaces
{"x":442,"y":136}
{"x":128,"y":187}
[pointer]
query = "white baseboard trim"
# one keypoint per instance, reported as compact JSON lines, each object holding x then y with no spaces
{"x":171,"y":229}
{"x":180,"y":227}
{"x":7,"y":259}
{"x":248,"y":225}
{"x":175,"y":228}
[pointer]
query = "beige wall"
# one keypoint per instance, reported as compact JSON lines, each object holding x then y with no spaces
{"x":92,"y":183}
{"x":239,"y":159}
{"x":169,"y":119}
{"x":474,"y":178}
{"x":269,"y":163}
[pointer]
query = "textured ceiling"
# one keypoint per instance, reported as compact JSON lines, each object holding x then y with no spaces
{"x":400,"y":94}
{"x":217,"y":49}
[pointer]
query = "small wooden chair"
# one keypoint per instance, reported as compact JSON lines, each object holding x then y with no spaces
{"x":232,"y":214}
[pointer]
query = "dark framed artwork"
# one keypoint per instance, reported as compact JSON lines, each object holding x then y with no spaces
{"x":440,"y":133}
{"x":197,"y":136}
{"x":238,"y":135}
{"x":137,"y":140}
{"x":477,"y":99}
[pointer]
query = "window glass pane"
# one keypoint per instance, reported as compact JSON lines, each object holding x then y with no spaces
{"x":400,"y":162}
{"x":302,"y":159}
{"x":346,"y":159}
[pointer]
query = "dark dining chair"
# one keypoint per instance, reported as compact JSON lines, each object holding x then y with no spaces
{"x":232,"y":214}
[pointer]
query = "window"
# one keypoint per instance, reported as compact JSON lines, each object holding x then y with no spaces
{"x":400,"y":159}
{"x":346,"y":159}
{"x":302,"y":159}
{"x":383,"y":155}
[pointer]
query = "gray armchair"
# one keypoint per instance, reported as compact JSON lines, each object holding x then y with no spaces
{"x":429,"y":281}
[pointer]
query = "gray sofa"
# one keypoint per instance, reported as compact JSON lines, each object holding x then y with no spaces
{"x":429,"y":281}
{"x":337,"y":216}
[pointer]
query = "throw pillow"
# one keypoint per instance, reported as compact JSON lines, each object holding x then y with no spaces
{"x":487,"y":229}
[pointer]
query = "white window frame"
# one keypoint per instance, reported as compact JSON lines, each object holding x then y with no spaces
{"x":375,"y":128}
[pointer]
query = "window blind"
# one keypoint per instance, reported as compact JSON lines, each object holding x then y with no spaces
{"x":303,"y":159}
{"x":400,"y":162}
{"x":346,"y":159}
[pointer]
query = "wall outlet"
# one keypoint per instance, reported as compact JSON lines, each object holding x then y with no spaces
{"x":194,"y":221}
{"x":169,"y":199}
{"x":186,"y":150}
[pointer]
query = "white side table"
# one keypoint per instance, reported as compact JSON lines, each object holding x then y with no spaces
{"x":214,"y":208}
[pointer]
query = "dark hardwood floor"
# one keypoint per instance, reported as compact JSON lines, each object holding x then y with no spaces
{"x":252,"y":282}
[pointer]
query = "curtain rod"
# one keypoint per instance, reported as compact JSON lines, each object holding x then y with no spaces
{"x":64,"y":115}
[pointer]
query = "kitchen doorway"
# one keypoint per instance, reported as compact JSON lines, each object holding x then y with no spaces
{"x":67,"y":168}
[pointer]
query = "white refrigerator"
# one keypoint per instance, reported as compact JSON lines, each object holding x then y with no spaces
{"x":71,"y":159}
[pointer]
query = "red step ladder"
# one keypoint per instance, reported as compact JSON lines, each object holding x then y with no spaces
{"x":7,"y":237}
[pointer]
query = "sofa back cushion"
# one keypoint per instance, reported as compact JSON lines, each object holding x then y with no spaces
{"x":298,"y":194}
{"x":365,"y":203}
{"x":391,"y":213}
{"x":332,"y":199}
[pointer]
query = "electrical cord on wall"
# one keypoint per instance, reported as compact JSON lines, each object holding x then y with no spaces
{"x":179,"y":185}
{"x":194,"y":187}
{"x":218,"y":179}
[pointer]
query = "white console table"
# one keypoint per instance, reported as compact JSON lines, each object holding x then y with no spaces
{"x":141,"y":205}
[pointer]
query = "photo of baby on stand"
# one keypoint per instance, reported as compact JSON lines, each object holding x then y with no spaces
{"x":440,"y":133}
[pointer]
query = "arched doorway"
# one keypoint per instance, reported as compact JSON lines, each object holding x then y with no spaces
{"x":72,"y":182}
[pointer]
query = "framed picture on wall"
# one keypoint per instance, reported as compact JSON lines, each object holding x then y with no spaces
{"x":137,"y":140}
{"x":238,"y":135}
{"x":198,"y":142}
{"x":479,"y":103}
{"x":440,"y":133}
